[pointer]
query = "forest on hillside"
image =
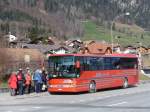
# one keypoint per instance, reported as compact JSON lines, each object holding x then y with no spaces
{"x":62,"y":18}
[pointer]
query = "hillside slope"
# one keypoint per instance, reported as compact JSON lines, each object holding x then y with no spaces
{"x":129,"y":35}
{"x":63,"y":18}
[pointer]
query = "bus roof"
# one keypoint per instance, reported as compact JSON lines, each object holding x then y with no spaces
{"x":107,"y":55}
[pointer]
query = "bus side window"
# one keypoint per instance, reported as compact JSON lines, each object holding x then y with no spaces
{"x":81,"y":63}
{"x":86,"y":64}
{"x":108,"y":63}
{"x":116,"y":63}
{"x":100,"y":63}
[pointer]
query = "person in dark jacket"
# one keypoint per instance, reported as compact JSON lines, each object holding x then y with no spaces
{"x":20,"y":78}
{"x":44,"y":79}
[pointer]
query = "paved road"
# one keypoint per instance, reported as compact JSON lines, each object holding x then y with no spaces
{"x":135,"y":99}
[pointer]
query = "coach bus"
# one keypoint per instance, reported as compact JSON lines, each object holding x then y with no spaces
{"x":80,"y":72}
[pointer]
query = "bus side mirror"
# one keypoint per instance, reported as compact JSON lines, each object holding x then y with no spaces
{"x":77,"y":64}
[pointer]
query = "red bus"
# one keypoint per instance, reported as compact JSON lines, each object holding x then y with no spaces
{"x":80,"y":72}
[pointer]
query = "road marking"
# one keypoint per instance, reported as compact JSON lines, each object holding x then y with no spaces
{"x":116,"y":104}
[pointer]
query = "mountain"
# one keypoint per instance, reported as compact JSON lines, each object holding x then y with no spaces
{"x":62,"y":18}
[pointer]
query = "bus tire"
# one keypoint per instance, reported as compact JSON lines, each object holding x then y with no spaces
{"x":125,"y":83}
{"x":92,"y":87}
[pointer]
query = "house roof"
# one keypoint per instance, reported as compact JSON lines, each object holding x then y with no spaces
{"x":77,"y":39}
{"x":94,"y":41}
{"x":45,"y":48}
{"x":42,"y":48}
{"x":98,"y":47}
{"x":88,"y":42}
{"x":142,"y":47}
{"x":72,"y":41}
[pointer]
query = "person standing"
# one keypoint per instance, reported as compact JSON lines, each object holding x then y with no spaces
{"x":20,"y":78}
{"x":38,"y":80}
{"x":44,"y":79}
{"x":28,"y":81}
{"x":12,"y":83}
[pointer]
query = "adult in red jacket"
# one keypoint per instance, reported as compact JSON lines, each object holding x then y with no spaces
{"x":12,"y":83}
{"x":28,"y":80}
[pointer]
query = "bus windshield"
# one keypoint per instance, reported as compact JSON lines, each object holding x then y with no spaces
{"x":62,"y":67}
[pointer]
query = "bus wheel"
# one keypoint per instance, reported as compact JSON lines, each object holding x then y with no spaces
{"x":92,"y":87}
{"x":125,"y":83}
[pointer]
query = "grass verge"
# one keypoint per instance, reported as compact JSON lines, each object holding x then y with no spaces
{"x":3,"y":85}
{"x":143,"y":77}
